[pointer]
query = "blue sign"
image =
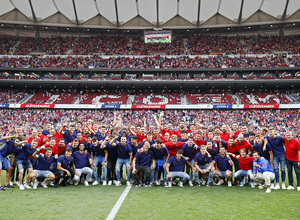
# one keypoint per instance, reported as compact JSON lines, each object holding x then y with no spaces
{"x":222,"y":106}
{"x":111,"y":106}
{"x":4,"y":105}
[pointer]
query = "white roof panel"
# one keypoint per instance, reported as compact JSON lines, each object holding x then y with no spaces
{"x":126,"y":10}
{"x":147,"y":10}
{"x":250,"y":7}
{"x":86,"y":9}
{"x":167,"y":10}
{"x":24,"y":7}
{"x":66,"y":8}
{"x":107,"y":10}
{"x":293,"y":6}
{"x":189,"y":10}
{"x":208,"y":9}
{"x":230,"y":9}
{"x":43,"y":8}
{"x":6,"y":6}
{"x":274,"y":7}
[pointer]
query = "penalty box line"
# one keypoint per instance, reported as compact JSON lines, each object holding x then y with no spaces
{"x":117,"y":206}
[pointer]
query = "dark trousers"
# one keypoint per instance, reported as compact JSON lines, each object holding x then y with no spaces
{"x":111,"y":169}
{"x":147,"y":173}
{"x":290,"y":164}
{"x":60,"y":173}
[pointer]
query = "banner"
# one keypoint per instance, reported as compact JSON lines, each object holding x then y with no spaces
{"x":148,"y":106}
{"x":143,"y":106}
{"x":37,"y":105}
{"x":261,"y":106}
{"x":4,"y":105}
{"x":222,"y":106}
{"x":111,"y":106}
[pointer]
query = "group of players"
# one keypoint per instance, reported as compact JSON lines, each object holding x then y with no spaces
{"x":95,"y":152}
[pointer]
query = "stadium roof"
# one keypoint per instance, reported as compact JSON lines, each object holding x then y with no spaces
{"x":149,"y":14}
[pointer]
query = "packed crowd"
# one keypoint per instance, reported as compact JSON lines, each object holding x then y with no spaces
{"x":98,"y":62}
{"x":199,"y":44}
{"x":259,"y":96}
{"x":282,"y":120}
{"x":134,"y":45}
{"x":11,"y":96}
{"x":62,"y":147}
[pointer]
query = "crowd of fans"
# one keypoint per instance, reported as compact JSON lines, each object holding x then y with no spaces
{"x":14,"y":96}
{"x":282,"y":120}
{"x":134,"y":45}
{"x":98,"y":62}
{"x":11,"y":96}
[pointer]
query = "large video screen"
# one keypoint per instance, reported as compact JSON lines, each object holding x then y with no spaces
{"x":158,"y":36}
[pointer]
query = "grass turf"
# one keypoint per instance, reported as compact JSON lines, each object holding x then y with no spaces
{"x":96,"y":202}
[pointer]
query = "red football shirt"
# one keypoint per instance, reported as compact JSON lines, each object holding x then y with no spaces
{"x":246,"y":163}
{"x":173,"y":148}
{"x":291,"y":149}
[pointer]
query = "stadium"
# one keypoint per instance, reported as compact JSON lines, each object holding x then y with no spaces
{"x":88,"y":86}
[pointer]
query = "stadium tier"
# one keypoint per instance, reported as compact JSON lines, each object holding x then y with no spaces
{"x":135,"y":98}
{"x":134,"y":45}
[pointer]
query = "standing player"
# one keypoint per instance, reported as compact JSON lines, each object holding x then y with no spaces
{"x":99,"y":155}
{"x":23,"y":162}
{"x":124,"y":157}
{"x":276,"y":143}
{"x":189,"y":150}
{"x":161,"y":156}
{"x":9,"y":148}
{"x":292,"y":147}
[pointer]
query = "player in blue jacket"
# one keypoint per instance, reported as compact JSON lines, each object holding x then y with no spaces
{"x":262,"y":172}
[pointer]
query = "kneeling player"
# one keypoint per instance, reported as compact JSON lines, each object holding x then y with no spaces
{"x":65,"y":163}
{"x":224,"y":166}
{"x":203,"y":164}
{"x":141,"y":162}
{"x":175,"y":166}
{"x":82,"y":160}
{"x":262,"y":172}
{"x":42,"y":170}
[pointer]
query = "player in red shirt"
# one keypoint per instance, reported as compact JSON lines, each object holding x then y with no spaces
{"x":251,"y":140}
{"x":224,"y":134}
{"x":40,"y":135}
{"x":174,"y":145}
{"x":49,"y":144}
{"x":59,"y":149}
{"x":141,"y":136}
{"x":80,"y":137}
{"x":245,"y":167}
{"x":198,"y":139}
{"x":156,"y":134}
{"x":242,"y":143}
{"x":166,"y":138}
{"x":292,"y":154}
{"x":204,"y":134}
{"x":34,"y":135}
{"x":235,"y":131}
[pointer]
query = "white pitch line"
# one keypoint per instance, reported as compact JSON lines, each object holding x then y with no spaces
{"x":117,"y":206}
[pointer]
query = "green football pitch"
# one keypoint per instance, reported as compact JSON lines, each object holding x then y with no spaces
{"x":158,"y":202}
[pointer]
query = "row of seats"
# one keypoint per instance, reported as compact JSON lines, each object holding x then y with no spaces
{"x":149,"y":62}
{"x":134,"y":45}
{"x":123,"y":97}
